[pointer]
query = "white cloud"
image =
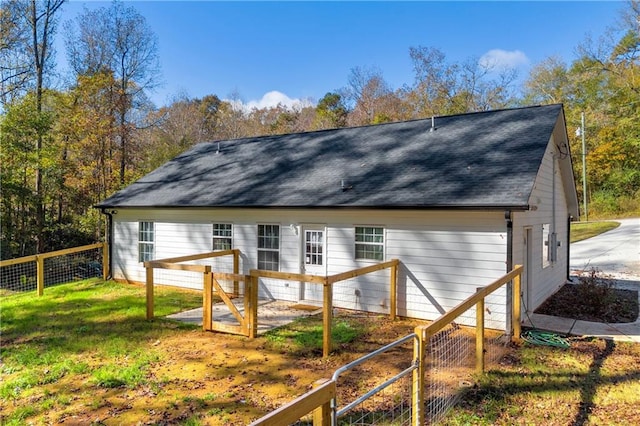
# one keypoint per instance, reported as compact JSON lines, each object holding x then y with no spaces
{"x":497,"y":59}
{"x":273,"y":99}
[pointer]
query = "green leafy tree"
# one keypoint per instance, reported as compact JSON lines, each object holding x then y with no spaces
{"x":331,"y":112}
{"x":32,"y":26}
{"x":118,"y":40}
{"x":20,"y":126}
{"x":442,"y":88}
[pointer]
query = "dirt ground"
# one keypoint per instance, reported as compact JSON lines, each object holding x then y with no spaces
{"x":223,"y":379}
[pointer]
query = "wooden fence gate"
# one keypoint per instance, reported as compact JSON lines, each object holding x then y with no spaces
{"x":248,"y":324}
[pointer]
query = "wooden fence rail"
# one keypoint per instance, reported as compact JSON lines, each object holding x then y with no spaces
{"x":174,"y":263}
{"x":317,"y":400}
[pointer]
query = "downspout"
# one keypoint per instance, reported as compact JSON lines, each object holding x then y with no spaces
{"x":568,"y":240}
{"x":508,"y":218}
{"x":109,"y":239}
{"x":553,"y":238}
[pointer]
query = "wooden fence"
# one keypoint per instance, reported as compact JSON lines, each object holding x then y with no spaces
{"x":39,"y":260}
{"x":321,"y":400}
{"x":249,"y":322}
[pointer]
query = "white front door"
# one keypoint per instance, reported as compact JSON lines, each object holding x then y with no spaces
{"x":314,"y":260}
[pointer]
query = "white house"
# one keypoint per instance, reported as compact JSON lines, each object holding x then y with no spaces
{"x":457,"y":199}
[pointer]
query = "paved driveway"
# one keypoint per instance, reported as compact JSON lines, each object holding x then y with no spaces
{"x":615,"y":253}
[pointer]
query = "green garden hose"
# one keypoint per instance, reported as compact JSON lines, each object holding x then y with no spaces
{"x":545,"y":338}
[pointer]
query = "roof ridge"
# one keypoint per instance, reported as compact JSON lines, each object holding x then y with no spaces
{"x":364,"y":126}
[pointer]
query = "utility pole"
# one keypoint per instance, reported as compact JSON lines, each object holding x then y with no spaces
{"x":581,"y":131}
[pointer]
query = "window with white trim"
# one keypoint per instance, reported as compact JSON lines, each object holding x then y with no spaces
{"x":369,"y":243}
{"x":269,"y":247}
{"x":146,"y":238}
{"x":549,"y":245}
{"x":222,"y":236}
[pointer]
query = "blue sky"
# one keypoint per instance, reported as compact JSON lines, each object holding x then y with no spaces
{"x":302,"y":50}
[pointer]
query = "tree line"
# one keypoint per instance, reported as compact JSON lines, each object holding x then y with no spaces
{"x":64,"y":150}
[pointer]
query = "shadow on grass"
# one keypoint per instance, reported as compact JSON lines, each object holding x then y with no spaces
{"x":499,"y":387}
{"x":590,"y":383}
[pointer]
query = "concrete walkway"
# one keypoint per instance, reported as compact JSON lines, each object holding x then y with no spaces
{"x":621,"y":332}
{"x":271,"y":313}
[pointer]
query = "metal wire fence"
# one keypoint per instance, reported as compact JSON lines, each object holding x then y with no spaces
{"x":40,"y":271}
{"x":385,"y":400}
{"x":452,"y":354}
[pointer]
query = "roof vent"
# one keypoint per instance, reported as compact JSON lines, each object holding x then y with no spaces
{"x":218,"y":149}
{"x":433,"y":124}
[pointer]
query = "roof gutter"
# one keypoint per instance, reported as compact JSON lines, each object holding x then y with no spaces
{"x":338,"y":207}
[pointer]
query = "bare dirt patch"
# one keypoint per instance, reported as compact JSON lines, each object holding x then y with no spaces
{"x":593,"y":298}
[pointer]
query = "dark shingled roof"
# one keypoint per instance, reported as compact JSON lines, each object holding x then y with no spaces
{"x":478,"y":160}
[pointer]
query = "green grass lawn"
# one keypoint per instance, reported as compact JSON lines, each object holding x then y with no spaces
{"x":90,"y":330}
{"x":583,"y":230}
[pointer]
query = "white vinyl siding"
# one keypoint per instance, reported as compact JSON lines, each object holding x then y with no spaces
{"x":444,"y":256}
{"x":544,"y":280}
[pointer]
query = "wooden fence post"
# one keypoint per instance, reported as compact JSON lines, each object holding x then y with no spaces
{"x":515,"y":320}
{"x":105,"y":260}
{"x":40,"y":274}
{"x":207,"y":300}
{"x":149,"y":286}
{"x":327,"y":314}
{"x":236,"y":271}
{"x":253,"y":308}
{"x":322,"y":414}
{"x":480,"y":335}
{"x":394,"y":291}
{"x":417,"y":394}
